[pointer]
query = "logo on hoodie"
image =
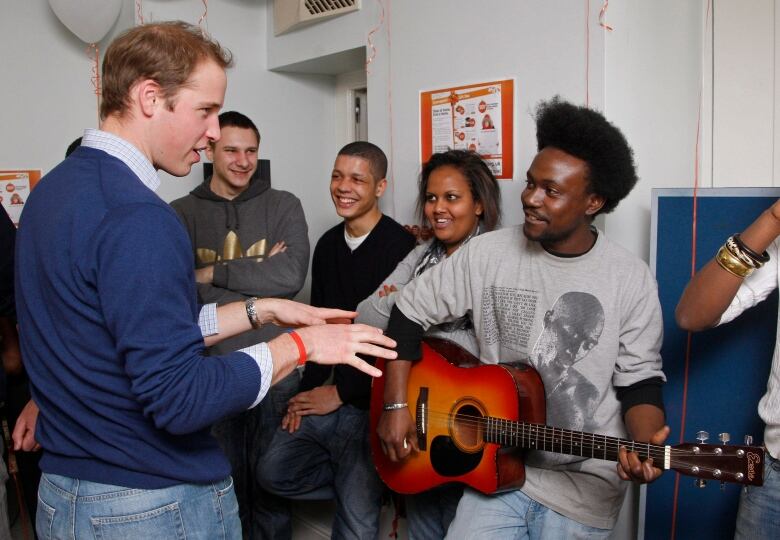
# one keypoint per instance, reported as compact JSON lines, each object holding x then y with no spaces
{"x":231,"y":249}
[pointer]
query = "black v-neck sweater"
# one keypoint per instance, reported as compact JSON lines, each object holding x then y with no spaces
{"x":342,"y":279}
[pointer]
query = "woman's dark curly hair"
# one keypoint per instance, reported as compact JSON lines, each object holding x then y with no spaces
{"x":587,"y":135}
{"x":484,"y":187}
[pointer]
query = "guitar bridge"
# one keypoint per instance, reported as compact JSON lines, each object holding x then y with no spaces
{"x":422,"y":418}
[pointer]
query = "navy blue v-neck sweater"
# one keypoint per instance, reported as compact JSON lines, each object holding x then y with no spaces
{"x":108,"y":325}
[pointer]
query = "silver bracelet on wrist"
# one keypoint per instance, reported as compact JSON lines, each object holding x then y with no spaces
{"x":251,"y":313}
{"x":394,"y":406}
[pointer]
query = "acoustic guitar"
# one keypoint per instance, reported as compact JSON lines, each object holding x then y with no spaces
{"x":475,"y":422}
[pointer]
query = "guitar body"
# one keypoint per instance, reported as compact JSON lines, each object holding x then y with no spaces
{"x":445,"y":402}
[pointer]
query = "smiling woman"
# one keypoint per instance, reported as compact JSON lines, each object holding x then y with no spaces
{"x":459,"y":197}
{"x":457,"y":192}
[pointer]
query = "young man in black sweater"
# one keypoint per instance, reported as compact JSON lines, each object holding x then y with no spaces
{"x":322,"y":450}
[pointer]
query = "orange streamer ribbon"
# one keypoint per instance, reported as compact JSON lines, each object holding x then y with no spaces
{"x":371,"y":35}
{"x":139,"y":11}
{"x":205,"y":13}
{"x":94,"y":54}
{"x":602,"y":16}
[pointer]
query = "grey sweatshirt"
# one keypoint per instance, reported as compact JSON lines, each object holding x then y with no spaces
{"x":375,"y":310}
{"x":587,"y":324}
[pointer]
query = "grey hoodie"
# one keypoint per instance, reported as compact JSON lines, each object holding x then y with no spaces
{"x":236,"y":236}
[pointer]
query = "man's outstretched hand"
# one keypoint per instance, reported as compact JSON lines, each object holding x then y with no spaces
{"x":341,"y":343}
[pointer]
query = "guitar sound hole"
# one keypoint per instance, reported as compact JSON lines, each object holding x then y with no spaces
{"x":467,"y":428}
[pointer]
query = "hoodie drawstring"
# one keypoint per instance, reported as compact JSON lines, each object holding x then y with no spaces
{"x":236,"y":220}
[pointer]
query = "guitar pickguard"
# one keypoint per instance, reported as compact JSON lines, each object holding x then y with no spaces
{"x":448,"y":460}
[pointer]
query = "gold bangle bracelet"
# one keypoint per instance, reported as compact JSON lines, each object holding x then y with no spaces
{"x":732,"y":264}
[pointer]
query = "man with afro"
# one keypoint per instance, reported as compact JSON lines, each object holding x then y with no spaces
{"x":510,"y":282}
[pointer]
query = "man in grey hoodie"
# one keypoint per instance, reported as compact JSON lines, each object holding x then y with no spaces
{"x":249,"y":240}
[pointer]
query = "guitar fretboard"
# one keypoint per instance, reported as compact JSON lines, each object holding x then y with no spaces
{"x":565,"y":441}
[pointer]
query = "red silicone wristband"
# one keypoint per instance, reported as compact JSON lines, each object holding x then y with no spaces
{"x":301,"y":348}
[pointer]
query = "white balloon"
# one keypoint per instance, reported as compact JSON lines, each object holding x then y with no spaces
{"x":90,"y":20}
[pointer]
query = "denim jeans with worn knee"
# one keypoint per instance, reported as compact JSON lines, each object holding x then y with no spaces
{"x":514,"y":515}
{"x":69,"y":508}
{"x":244,"y":438}
{"x":328,"y":456}
{"x":759,"y":506}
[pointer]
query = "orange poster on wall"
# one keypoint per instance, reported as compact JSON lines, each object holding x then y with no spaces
{"x":478,"y":117}
{"x":15,"y":187}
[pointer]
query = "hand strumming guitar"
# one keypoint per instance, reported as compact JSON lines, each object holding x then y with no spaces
{"x":396,"y":429}
{"x":397,"y":434}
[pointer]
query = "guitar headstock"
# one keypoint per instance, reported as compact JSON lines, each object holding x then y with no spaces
{"x":726,"y":463}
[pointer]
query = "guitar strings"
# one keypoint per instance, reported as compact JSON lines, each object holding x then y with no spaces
{"x":656,"y":451}
{"x":610,"y":445}
{"x":542,"y":434}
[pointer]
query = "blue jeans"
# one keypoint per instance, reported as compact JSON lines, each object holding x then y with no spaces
{"x":429,"y":514}
{"x":514,"y":515}
{"x":69,"y":508}
{"x":759,"y":507}
{"x":244,"y":438}
{"x":328,"y":455}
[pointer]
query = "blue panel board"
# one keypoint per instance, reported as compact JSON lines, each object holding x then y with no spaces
{"x":728,"y":366}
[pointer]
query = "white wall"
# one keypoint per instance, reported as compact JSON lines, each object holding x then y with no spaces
{"x":442,"y":43}
{"x":46,"y":91}
{"x":652,"y":80}
{"x":645,"y":75}
{"x":745,"y":147}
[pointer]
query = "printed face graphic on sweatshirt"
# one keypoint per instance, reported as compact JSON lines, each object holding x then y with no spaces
{"x":572,"y":328}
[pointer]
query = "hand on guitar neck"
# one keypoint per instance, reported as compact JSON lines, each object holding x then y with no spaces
{"x":396,"y":428}
{"x":642,"y":422}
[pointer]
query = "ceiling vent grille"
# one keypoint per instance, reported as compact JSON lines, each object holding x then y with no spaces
{"x":292,"y":14}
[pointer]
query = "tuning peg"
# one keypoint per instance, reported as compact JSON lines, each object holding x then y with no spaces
{"x":702,"y":436}
{"x":748,"y":439}
{"x":724,"y":437}
{"x":700,"y":483}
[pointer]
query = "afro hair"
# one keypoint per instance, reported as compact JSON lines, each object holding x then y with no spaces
{"x":587,"y":135}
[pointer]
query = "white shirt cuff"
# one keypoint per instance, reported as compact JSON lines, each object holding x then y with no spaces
{"x":207,"y":320}
{"x":262,"y":355}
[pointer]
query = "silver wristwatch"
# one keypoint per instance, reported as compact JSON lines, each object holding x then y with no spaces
{"x":251,"y":313}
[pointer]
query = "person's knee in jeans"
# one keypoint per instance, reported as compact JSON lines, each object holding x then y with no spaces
{"x":271,"y":468}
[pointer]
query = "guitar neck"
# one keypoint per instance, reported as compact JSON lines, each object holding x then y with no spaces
{"x":566,"y":441}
